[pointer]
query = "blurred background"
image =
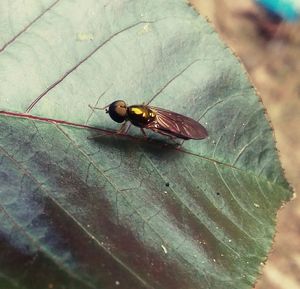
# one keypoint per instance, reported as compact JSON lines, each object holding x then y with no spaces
{"x":265,"y":35}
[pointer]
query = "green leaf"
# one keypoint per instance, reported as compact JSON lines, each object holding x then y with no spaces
{"x":122,"y":211}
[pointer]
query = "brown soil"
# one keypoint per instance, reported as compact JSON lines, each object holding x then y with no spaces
{"x":270,"y":51}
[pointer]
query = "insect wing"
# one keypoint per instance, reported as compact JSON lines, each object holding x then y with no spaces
{"x":174,"y":124}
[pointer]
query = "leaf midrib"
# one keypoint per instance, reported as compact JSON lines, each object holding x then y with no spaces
{"x":52,"y":121}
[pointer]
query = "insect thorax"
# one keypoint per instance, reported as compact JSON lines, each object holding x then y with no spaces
{"x":140,"y":115}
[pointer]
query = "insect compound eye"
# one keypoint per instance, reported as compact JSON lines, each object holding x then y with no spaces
{"x":118,"y":111}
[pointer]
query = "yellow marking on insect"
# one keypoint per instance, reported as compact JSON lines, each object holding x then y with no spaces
{"x":137,"y":110}
{"x":152,"y":114}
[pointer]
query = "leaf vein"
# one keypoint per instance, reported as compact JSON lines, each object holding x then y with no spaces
{"x":140,"y":279}
{"x":118,"y":190}
{"x":33,"y":240}
{"x":28,"y":26}
{"x":171,"y":80}
{"x":233,"y":196}
{"x":68,"y":72}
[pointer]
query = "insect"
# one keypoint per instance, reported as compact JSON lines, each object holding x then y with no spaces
{"x":157,"y":119}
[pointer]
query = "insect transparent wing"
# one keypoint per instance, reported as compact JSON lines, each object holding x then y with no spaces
{"x":174,"y":124}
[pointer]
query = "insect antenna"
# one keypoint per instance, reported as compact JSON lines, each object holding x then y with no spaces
{"x":100,"y":108}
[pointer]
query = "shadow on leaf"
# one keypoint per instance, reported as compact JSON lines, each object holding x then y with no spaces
{"x":155,"y":145}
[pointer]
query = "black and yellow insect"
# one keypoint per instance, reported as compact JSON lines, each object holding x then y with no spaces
{"x":157,"y":119}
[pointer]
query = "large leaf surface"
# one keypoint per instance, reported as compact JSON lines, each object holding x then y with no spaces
{"x":121,"y":211}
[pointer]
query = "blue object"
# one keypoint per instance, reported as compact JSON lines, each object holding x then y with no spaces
{"x":288,"y":10}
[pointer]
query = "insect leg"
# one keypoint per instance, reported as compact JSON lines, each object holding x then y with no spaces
{"x":122,"y":130}
{"x":172,"y":137}
{"x":143,"y":131}
{"x":101,"y":135}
